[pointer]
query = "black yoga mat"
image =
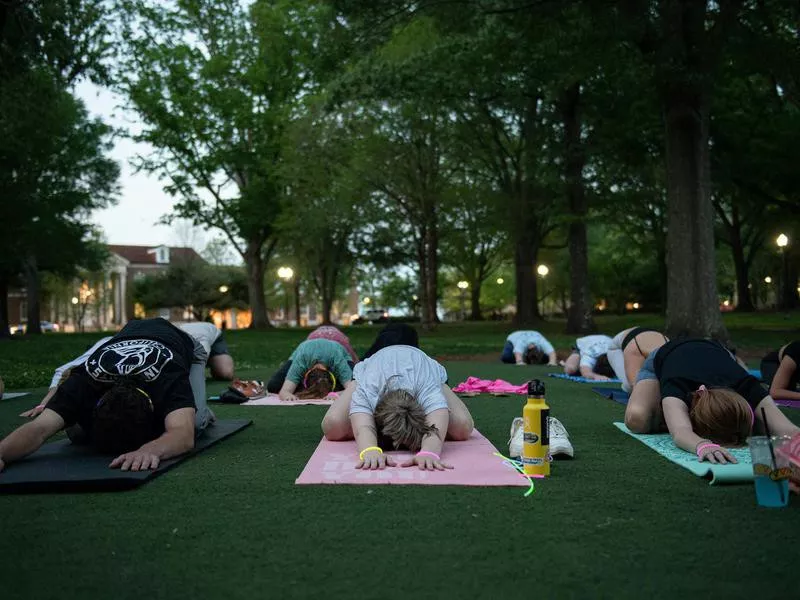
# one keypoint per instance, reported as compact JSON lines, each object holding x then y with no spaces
{"x":64,"y":467}
{"x":612,"y":394}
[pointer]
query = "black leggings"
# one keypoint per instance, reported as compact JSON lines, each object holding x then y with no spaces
{"x":275,"y":382}
{"x":394,"y":334}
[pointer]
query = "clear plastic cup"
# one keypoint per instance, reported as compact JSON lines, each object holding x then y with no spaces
{"x":771,"y":478}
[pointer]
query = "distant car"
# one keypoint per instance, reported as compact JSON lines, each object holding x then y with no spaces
{"x":47,"y":327}
{"x":376,"y":315}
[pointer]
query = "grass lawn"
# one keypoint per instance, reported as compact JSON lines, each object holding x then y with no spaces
{"x":618,"y":521}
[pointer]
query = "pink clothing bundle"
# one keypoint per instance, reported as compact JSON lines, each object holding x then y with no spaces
{"x":473,"y":385}
{"x":329,"y":332}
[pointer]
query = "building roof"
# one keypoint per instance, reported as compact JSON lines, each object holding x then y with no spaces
{"x":146,"y":255}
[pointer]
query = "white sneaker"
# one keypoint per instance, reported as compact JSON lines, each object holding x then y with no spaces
{"x":559,"y":439}
{"x":515,"y":440}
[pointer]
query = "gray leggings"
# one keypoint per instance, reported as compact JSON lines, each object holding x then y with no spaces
{"x":197,"y":379}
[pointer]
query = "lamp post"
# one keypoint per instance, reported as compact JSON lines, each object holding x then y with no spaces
{"x":286,"y":274}
{"x":462,"y":286}
{"x":787,"y":290}
{"x":543,"y":270}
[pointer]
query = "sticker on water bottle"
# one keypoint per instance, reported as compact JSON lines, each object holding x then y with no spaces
{"x":530,"y":437}
{"x":535,"y":462}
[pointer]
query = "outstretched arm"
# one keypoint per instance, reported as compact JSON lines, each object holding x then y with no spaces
{"x":29,"y":438}
{"x":779,"y":423}
{"x":552,"y":359}
{"x":178,"y":437}
{"x":676,"y":414}
{"x":366,"y":433}
{"x":588,"y":373}
{"x":783,"y":377}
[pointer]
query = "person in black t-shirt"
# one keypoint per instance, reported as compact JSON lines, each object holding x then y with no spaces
{"x":133,"y":397}
{"x":708,"y":400}
{"x":779,"y":371}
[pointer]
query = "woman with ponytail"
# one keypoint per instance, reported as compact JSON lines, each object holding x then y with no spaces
{"x":704,"y":398}
{"x":398,"y":399}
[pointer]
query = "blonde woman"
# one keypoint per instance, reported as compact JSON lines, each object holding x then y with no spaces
{"x":398,"y":399}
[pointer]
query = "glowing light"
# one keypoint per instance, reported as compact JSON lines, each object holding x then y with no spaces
{"x":74,"y":299}
{"x":726,"y":303}
{"x":543,"y":270}
{"x":782,"y":240}
{"x":500,"y":281}
{"x":767,"y":279}
{"x":636,"y":306}
{"x":462,"y":285}
{"x":415,"y":297}
{"x":223,"y":289}
{"x":367,"y":300}
{"x":286,"y":273}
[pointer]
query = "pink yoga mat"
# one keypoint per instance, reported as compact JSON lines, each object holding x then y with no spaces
{"x":273,"y":400}
{"x":473,"y":461}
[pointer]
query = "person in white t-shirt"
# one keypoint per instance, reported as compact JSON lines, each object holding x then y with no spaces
{"x":588,"y":358}
{"x":526,"y":347}
{"x":398,"y":398}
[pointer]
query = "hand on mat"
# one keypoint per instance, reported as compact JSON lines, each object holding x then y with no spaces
{"x":717,"y":456}
{"x":34,"y":412}
{"x":285,"y":397}
{"x":135,"y":461}
{"x":427,"y":463}
{"x":375,"y":460}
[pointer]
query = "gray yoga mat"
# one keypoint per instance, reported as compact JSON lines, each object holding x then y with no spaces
{"x":64,"y":467}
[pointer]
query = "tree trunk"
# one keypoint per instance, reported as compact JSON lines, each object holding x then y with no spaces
{"x":254,"y":263}
{"x":33,"y":296}
{"x":475,"y":300}
{"x":692,"y":302}
{"x":4,"y":332}
{"x":579,"y":318}
{"x":432,"y":279}
{"x":745,"y":301}
{"x":524,"y":260}
{"x":297,"y":300}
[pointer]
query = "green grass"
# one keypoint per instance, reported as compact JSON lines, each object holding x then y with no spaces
{"x":618,"y":521}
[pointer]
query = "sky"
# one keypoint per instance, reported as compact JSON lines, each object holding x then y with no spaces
{"x":142,"y":202}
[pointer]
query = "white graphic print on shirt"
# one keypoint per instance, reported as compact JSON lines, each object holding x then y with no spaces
{"x":144,"y":358}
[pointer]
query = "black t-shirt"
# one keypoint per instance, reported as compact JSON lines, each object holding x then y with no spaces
{"x":792,"y":350}
{"x":684,"y":365}
{"x":153,"y":352}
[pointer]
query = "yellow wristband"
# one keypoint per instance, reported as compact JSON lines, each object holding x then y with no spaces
{"x":361,"y":454}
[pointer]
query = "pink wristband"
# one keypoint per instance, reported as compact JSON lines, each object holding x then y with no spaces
{"x":706,"y":445}
{"x":427,"y":453}
{"x":41,"y":406}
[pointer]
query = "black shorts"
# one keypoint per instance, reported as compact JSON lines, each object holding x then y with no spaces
{"x":218,"y":347}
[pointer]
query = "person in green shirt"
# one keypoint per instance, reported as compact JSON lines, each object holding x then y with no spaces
{"x":315,"y":368}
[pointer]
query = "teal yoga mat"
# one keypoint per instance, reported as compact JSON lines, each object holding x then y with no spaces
{"x":741,"y":472}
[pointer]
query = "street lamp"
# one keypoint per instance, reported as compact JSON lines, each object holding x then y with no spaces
{"x":788,"y":296}
{"x":75,"y":300}
{"x":500,"y":281}
{"x":767,"y":279}
{"x":367,"y":300}
{"x":543,"y":270}
{"x":286,"y":273}
{"x":223,"y":289}
{"x":462,"y":286}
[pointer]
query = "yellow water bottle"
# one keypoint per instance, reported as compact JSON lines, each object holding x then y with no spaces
{"x":536,"y":432}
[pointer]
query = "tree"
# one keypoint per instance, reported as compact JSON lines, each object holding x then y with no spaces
{"x":216,"y":85}
{"x":53,"y":169}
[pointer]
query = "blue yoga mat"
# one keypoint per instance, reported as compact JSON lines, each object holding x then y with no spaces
{"x":755,"y":373}
{"x":741,"y":472}
{"x":578,"y":379}
{"x":612,"y":394}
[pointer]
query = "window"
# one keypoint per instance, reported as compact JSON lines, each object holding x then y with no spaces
{"x":162,"y":255}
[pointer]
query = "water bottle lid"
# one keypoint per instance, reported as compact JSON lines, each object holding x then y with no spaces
{"x":535,"y":388}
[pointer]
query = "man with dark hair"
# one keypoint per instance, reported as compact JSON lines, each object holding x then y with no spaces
{"x":140,"y":395}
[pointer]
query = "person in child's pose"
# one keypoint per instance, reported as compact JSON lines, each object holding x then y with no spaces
{"x":329,"y":332}
{"x":316,"y":368}
{"x":589,"y":358}
{"x":704,"y":397}
{"x":398,"y":399}
{"x":779,"y":371}
{"x":629,"y":350}
{"x":140,"y":395}
{"x":528,"y":348}
{"x":393,"y":334}
{"x":219,"y":362}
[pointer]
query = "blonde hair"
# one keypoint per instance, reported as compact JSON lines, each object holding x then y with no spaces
{"x":400,"y":417}
{"x":721,"y":415}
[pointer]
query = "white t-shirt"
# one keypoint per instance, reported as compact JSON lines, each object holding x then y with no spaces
{"x":401,"y":367}
{"x":75,"y":362}
{"x":592,"y":347}
{"x":522,"y":339}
